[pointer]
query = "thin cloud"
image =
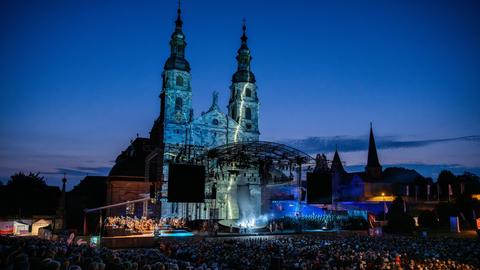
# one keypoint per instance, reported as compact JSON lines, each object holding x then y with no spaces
{"x":80,"y":171}
{"x":351,"y":144}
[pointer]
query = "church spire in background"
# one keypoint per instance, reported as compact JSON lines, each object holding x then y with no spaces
{"x":373,"y":167}
{"x":337,"y":165}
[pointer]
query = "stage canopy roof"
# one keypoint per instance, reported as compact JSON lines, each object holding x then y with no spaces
{"x":258,"y":151}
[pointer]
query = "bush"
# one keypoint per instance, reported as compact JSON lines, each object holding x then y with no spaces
{"x":355,"y":223}
{"x":401,"y":223}
{"x":398,"y":220}
{"x":428,"y":219}
{"x":444,"y":211}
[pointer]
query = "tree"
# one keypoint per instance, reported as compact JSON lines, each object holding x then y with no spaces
{"x":26,"y":195}
{"x":446,"y":176}
{"x":471,"y":183}
{"x":22,"y":180}
{"x":444,"y":211}
{"x":444,"y":179}
{"x":464,"y":206}
{"x":398,"y":220}
{"x":428,"y":219}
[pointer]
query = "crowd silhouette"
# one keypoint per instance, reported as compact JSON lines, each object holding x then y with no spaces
{"x":326,"y":251}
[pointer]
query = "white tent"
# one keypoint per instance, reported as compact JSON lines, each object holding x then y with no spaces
{"x":20,"y":228}
{"x":40,"y":224}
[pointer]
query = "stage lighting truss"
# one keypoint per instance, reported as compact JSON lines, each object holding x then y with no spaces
{"x":245,"y":154}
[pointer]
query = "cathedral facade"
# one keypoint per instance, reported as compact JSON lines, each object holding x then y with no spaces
{"x":176,"y":123}
{"x":178,"y":136}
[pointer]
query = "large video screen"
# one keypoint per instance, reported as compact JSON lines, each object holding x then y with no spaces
{"x":186,"y":183}
{"x":319,"y":188}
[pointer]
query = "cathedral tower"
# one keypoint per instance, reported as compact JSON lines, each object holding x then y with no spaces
{"x":243,"y":102}
{"x":176,"y":94}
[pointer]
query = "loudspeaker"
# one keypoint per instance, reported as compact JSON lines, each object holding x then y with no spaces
{"x":319,"y":188}
{"x":186,"y":183}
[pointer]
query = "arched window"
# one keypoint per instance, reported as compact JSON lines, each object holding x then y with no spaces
{"x":178,"y":104}
{"x":179,"y":80}
{"x":248,"y":92}
{"x":248,"y":114}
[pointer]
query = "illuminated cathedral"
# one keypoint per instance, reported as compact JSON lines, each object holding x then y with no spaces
{"x":178,"y":136}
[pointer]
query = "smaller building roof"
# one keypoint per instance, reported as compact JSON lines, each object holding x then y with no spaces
{"x":131,"y":162}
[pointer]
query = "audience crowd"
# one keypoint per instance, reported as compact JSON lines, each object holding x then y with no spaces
{"x":332,"y":251}
{"x":327,"y":221}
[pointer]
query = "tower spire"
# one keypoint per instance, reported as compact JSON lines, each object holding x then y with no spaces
{"x":178,"y":22}
{"x":337,"y":165}
{"x":243,"y":103}
{"x":243,"y":73}
{"x":244,"y":29}
{"x":373,"y":167}
{"x":177,"y":46}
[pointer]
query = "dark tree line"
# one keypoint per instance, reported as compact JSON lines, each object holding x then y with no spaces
{"x":26,"y":195}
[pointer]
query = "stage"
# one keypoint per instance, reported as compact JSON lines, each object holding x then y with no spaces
{"x":252,"y":224}
{"x":145,"y":240}
{"x":129,"y":241}
{"x":150,"y":240}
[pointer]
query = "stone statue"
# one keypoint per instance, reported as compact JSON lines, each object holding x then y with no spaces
{"x":214,"y":105}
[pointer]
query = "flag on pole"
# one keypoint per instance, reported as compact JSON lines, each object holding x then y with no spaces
{"x":407,"y":191}
{"x":450,"y":191}
{"x":385,"y":208}
{"x":404,"y":206}
{"x":371,"y":220}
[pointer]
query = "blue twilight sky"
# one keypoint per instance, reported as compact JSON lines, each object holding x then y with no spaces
{"x":79,"y":79}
